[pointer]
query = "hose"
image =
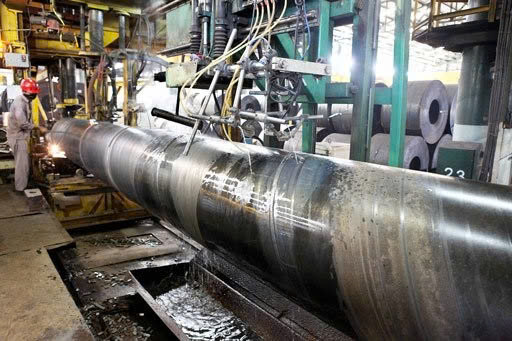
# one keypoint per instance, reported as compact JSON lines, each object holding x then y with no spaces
{"x":219,"y":60}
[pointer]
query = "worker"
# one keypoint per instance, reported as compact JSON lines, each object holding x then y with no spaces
{"x":19,"y":126}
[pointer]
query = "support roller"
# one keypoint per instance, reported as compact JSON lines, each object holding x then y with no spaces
{"x":402,"y":254}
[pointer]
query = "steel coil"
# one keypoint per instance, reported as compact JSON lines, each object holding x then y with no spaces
{"x":416,"y":155}
{"x":250,"y":103}
{"x":337,"y":138}
{"x":427,"y":110}
{"x":3,"y":136}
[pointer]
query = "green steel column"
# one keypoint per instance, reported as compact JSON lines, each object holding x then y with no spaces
{"x":474,"y":94}
{"x":323,"y":48}
{"x":317,"y":86}
{"x":399,"y":91}
{"x":364,"y":50}
{"x":309,"y":129}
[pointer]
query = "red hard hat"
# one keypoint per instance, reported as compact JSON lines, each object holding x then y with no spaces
{"x":29,"y":86}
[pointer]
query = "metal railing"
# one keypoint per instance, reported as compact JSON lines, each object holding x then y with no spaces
{"x":439,"y":16}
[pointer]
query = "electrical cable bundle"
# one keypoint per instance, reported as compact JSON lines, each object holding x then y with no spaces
{"x":247,"y":42}
{"x":303,"y":18}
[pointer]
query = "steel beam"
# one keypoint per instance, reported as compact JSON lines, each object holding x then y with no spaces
{"x":399,"y":92}
{"x":96,"y":30}
{"x":364,"y":51}
{"x":309,"y":129}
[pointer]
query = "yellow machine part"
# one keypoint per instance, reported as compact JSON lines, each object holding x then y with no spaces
{"x":122,"y":6}
{"x":38,"y":112}
{"x":79,"y":202}
{"x":11,"y":31}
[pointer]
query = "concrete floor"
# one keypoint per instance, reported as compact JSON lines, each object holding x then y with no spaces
{"x":34,"y":302}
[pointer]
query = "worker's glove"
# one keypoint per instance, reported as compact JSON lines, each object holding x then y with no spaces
{"x":43,"y":130}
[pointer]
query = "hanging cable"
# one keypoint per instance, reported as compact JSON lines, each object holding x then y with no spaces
{"x":251,"y":47}
{"x":214,"y":63}
{"x":230,"y":53}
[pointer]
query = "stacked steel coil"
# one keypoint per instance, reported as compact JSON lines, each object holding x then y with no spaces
{"x":337,"y":118}
{"x":416,"y":154}
{"x":427,"y":110}
{"x":430,"y":112}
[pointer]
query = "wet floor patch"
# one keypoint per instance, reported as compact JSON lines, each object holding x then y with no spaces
{"x":186,"y":299}
{"x":201,"y":316}
{"x":122,"y":242}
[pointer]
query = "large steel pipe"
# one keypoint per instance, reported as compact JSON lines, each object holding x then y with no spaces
{"x":427,"y":110}
{"x":411,"y":255}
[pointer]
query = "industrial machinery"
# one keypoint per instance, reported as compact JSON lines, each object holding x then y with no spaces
{"x":67,"y":46}
{"x":393,"y":253}
{"x":284,"y":48}
{"x":281,"y":47}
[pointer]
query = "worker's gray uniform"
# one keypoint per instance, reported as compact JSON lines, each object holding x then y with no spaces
{"x":18,"y":132}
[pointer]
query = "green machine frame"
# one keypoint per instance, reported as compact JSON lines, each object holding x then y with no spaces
{"x":361,"y":90}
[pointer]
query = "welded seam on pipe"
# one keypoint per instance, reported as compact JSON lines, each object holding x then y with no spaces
{"x":484,"y":306}
{"x":80,"y":144}
{"x":446,"y":253}
{"x":411,"y":287}
{"x":159,"y":168}
{"x":386,"y":305}
{"x":366,"y":270}
{"x":107,"y":163}
{"x":285,"y":266}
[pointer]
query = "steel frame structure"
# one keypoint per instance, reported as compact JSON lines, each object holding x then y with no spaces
{"x":452,"y":12}
{"x":360,"y":91}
